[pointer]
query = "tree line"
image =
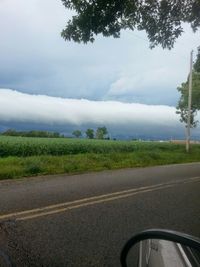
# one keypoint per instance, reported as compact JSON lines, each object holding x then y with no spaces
{"x":11,"y":132}
{"x":100,"y":133}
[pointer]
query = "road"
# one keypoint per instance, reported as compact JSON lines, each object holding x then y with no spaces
{"x":84,"y":220}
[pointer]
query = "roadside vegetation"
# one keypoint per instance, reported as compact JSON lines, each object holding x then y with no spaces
{"x":182,"y":107}
{"x":23,"y":156}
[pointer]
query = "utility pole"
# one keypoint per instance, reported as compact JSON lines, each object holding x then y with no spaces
{"x":189,"y":105}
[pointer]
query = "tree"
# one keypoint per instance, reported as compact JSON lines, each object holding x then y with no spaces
{"x":197,"y":63}
{"x":90,"y":133}
{"x":77,"y":133}
{"x":101,"y":132}
{"x":10,"y":132}
{"x":182,"y":107}
{"x":56,"y":135}
{"x":161,"y":19}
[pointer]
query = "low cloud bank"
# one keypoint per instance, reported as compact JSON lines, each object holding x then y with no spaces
{"x":20,"y":107}
{"x":17,"y":107}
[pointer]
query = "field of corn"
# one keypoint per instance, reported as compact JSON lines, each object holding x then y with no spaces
{"x":26,"y":156}
{"x":27,"y":146}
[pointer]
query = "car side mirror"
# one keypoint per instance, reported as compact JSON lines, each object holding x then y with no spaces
{"x":161,"y":248}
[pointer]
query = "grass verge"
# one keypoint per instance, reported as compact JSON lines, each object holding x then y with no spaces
{"x":16,"y":167}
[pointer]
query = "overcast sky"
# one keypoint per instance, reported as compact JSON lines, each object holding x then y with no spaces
{"x":36,"y":60}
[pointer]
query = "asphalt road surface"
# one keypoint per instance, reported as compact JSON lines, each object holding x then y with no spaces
{"x":84,"y":220}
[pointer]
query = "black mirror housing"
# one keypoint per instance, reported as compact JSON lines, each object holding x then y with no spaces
{"x":174,"y":236}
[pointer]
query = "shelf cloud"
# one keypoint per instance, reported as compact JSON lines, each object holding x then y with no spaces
{"x":20,"y":107}
{"x":119,"y":117}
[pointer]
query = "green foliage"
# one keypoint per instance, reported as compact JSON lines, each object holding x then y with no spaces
{"x":182,"y":107}
{"x":33,"y":166}
{"x":28,"y":146}
{"x":197,"y":63}
{"x":77,"y":133}
{"x":161,"y":19}
{"x":143,"y":154}
{"x":90,"y":133}
{"x":101,"y":132}
{"x":11,"y":132}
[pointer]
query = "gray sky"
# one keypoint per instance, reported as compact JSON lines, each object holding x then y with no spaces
{"x":36,"y":60}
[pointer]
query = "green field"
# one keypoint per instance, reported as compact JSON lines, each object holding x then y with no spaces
{"x":26,"y":156}
{"x":31,"y":146}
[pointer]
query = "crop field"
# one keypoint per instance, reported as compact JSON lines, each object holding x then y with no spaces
{"x":28,"y":146}
{"x":26,"y":156}
{"x":31,"y":146}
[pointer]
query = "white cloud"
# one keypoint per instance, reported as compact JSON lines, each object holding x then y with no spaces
{"x":152,"y":76}
{"x":134,"y":82}
{"x":19,"y":107}
{"x":121,"y":118}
